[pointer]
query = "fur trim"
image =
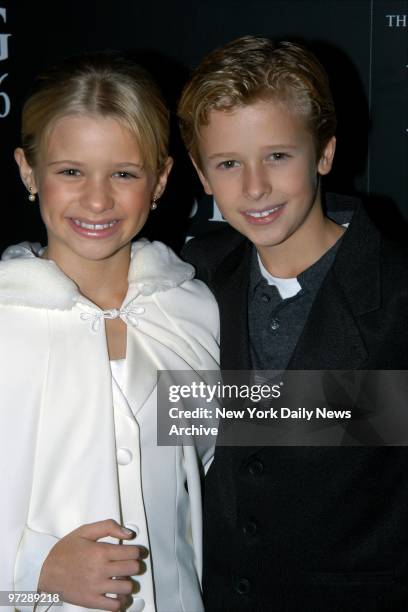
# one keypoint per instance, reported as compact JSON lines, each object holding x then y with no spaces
{"x":28,"y":280}
{"x":155,"y":267}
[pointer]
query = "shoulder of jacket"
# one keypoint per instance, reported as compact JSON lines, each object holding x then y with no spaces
{"x":193,"y":295}
{"x":206,"y":252}
{"x":27,"y":280}
{"x":394,"y":261}
{"x":155,"y":267}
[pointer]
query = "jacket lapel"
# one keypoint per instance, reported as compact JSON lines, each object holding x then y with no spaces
{"x":231,"y":289}
{"x":331,"y":338}
{"x":230,"y":285}
{"x":140,"y":373}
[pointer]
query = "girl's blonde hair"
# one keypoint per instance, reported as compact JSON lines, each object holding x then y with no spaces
{"x":102,"y":84}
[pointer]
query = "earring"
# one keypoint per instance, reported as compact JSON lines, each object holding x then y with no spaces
{"x":154,"y":204}
{"x":31,"y":195}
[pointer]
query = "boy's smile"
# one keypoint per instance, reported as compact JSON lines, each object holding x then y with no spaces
{"x":259,"y":162}
{"x":261,"y":217}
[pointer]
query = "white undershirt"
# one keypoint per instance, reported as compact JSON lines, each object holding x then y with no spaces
{"x":144,"y":600}
{"x":287,"y":287}
{"x":118,"y":372}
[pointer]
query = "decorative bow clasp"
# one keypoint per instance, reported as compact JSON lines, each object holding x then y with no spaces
{"x":128,"y":314}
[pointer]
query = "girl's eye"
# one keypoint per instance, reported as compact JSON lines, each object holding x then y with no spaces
{"x":70,"y":172}
{"x":125,"y":175}
{"x":228,"y":164}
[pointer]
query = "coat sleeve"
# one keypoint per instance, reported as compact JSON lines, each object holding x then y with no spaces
{"x":22,"y":368}
{"x":36,"y":547}
{"x":192,"y":314}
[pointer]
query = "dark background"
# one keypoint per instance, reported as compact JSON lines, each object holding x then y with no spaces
{"x":361,"y":43}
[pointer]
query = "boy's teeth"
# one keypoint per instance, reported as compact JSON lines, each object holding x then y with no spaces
{"x":94,"y":226}
{"x":264,"y":213}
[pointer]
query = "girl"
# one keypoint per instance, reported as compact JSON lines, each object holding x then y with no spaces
{"x":85,"y":323}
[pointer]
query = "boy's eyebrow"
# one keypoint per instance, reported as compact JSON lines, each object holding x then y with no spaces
{"x":266,"y":147}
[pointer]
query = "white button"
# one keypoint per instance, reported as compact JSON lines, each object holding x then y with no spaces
{"x":133,"y":527}
{"x":124,"y":456}
{"x":137,"y":605}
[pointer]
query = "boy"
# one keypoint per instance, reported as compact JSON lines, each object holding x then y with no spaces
{"x":317,"y":529}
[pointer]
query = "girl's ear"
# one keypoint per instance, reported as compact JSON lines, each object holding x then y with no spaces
{"x":326,"y":160}
{"x":162,"y":178}
{"x":26,"y":172}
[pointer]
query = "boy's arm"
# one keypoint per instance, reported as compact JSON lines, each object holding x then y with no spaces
{"x":206,"y":253}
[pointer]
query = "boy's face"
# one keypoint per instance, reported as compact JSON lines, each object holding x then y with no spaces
{"x":259,"y":163}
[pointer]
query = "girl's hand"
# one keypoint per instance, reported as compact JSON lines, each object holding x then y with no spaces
{"x":82,"y":570}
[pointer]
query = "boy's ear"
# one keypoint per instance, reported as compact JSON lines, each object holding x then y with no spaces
{"x":326,"y":160}
{"x":26,"y":171}
{"x":202,"y":177}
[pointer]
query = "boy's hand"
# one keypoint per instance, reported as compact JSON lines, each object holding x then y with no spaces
{"x":81,"y":569}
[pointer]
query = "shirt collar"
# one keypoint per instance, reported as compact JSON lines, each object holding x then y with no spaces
{"x":309,"y":280}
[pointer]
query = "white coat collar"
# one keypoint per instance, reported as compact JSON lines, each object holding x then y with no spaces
{"x":28,"y":280}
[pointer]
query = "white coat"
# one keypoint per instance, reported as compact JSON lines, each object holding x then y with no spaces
{"x":58,"y":415}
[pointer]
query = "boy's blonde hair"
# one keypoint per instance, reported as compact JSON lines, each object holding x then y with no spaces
{"x":250,"y":69}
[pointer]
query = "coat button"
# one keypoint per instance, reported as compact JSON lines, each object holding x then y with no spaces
{"x":138,"y":604}
{"x":250,"y":528}
{"x":256,"y":467}
{"x":242,"y":586}
{"x":274,"y":325}
{"x":124,"y":456}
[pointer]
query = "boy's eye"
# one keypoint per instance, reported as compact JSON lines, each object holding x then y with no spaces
{"x":278,"y":156}
{"x":229,"y":163}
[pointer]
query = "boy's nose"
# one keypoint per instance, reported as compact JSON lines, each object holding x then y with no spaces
{"x":256,"y":183}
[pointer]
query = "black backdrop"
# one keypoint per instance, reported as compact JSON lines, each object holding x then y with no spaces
{"x":362,"y":44}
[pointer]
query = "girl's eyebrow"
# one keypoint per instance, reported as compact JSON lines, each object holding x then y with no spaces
{"x":78,"y":163}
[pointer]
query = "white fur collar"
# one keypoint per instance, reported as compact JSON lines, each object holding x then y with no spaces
{"x":28,"y":280}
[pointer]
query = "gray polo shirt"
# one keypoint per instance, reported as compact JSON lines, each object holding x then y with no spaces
{"x":275,"y":323}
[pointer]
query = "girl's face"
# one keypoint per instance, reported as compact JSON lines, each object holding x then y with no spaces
{"x":94,"y":192}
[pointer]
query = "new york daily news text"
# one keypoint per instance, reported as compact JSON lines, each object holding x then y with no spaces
{"x":292,"y":408}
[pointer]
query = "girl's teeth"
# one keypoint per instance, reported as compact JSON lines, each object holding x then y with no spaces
{"x":94,"y":226}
